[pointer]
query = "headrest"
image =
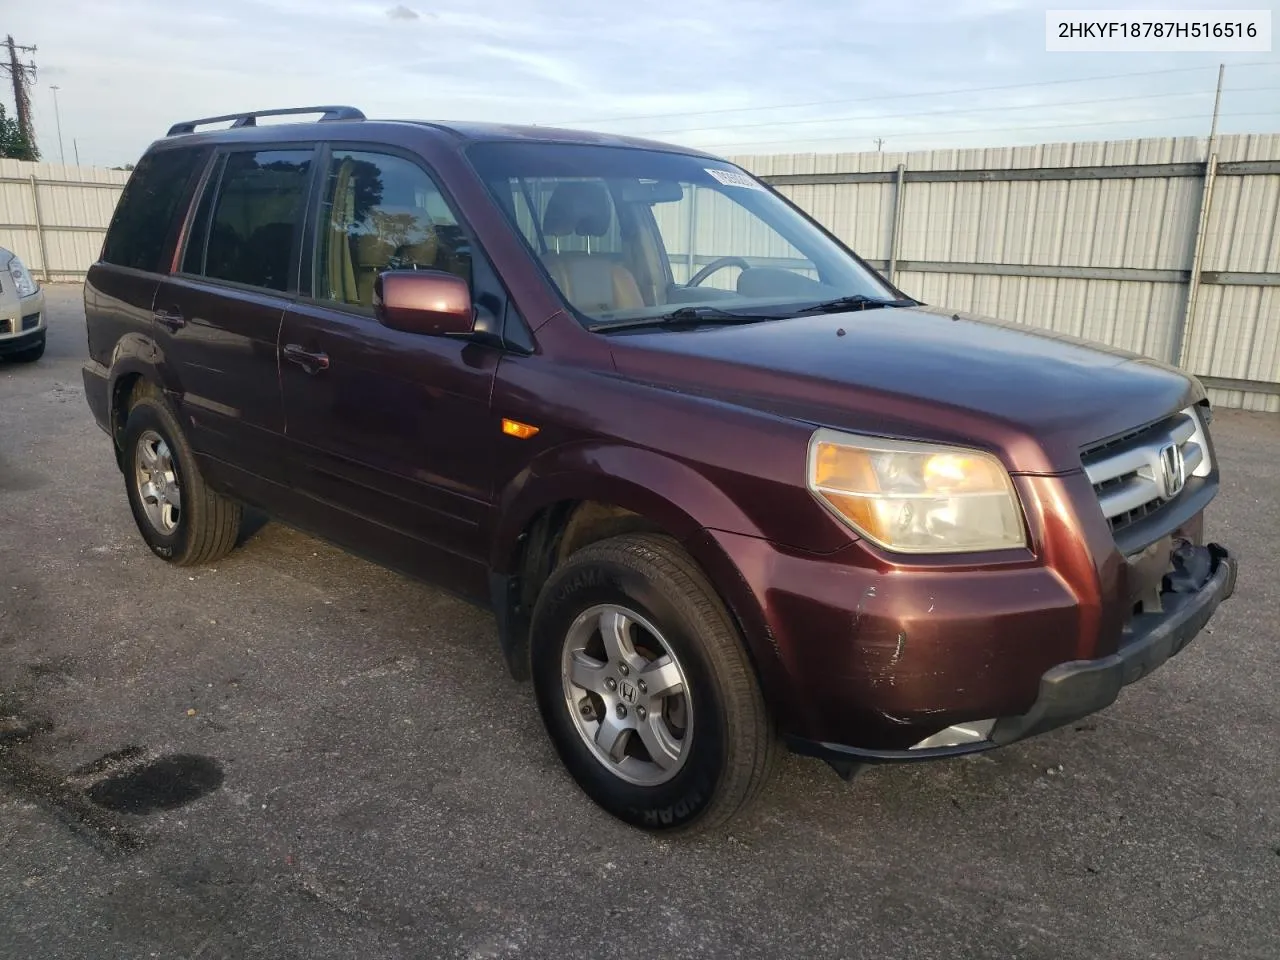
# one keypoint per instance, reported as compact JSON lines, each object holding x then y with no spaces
{"x":578,"y":206}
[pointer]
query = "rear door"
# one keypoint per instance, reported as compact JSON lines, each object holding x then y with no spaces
{"x":218,"y":316}
{"x":120,"y":289}
{"x":390,"y":433}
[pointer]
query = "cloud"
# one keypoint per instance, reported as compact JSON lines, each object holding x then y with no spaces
{"x":734,"y":76}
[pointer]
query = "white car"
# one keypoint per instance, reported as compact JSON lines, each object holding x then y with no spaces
{"x":22,"y":317}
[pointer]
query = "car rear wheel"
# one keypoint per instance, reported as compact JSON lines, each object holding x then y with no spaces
{"x":646,"y":689}
{"x":179,"y":517}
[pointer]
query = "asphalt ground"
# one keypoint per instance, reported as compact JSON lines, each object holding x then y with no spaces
{"x":299,"y":754}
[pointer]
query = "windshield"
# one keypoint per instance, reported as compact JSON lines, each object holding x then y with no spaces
{"x":626,"y":233}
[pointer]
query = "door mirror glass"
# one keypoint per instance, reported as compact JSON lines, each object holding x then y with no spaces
{"x":423,"y":301}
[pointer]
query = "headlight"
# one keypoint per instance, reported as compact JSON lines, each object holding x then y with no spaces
{"x":916,"y":497}
{"x":22,"y":280}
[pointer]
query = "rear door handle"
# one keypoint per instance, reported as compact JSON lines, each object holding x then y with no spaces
{"x":310,"y":361}
{"x":170,"y":321}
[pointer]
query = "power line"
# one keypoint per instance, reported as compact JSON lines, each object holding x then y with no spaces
{"x":952,"y":112}
{"x":916,"y":135}
{"x":901,"y":96}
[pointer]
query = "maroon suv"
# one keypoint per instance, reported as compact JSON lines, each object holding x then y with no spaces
{"x":721,"y":484}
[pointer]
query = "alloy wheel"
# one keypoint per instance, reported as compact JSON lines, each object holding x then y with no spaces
{"x":157,"y":482}
{"x":627,"y":694}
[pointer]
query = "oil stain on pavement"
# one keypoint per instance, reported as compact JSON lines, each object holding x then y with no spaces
{"x":127,"y":781}
{"x":162,"y":784}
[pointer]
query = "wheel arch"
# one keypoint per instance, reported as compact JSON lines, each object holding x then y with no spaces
{"x":131,"y":364}
{"x":580,"y":495}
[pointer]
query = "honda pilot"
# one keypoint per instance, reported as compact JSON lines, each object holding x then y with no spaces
{"x":725,"y":489}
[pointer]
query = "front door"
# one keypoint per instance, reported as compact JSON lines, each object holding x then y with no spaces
{"x":218,"y":319}
{"x":390,"y":433}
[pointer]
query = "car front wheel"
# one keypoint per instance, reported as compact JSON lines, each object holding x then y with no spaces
{"x":645,"y":687}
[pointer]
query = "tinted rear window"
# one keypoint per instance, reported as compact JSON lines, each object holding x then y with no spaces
{"x":257,"y":217}
{"x":151,"y":208}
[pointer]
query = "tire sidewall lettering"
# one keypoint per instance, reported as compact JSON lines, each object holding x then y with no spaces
{"x":666,"y":805}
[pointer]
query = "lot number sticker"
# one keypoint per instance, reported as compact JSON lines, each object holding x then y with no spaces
{"x":732,"y":178}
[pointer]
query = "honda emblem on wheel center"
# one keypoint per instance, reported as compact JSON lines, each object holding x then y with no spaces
{"x":1173,"y":470}
{"x":627,"y":691}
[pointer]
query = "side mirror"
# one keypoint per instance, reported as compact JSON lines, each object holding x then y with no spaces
{"x":431,"y":302}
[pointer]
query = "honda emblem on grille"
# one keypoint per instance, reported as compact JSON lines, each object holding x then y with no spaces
{"x":1173,"y":470}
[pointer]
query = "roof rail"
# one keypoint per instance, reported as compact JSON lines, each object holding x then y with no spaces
{"x":250,"y":119}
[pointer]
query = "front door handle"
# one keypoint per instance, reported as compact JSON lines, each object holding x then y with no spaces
{"x":310,"y":361}
{"x":169,"y":320}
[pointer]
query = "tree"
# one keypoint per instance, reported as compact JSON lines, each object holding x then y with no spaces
{"x":13,"y":145}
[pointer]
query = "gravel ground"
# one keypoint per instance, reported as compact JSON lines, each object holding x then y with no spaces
{"x":368,"y":781}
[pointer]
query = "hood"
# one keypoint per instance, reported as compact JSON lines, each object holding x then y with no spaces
{"x":1034,"y":396}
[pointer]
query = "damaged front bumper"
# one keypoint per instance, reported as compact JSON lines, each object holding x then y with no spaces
{"x":1202,"y":577}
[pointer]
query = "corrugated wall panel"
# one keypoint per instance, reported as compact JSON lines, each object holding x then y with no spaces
{"x":1244,"y":225}
{"x":1138,"y":223}
{"x":74,"y":218}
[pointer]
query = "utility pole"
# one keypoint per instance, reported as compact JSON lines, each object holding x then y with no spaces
{"x":23,"y":76}
{"x":879,"y":144}
{"x":1183,"y":342}
{"x":1217,"y":102}
{"x":76,"y":146}
{"x":57,"y":116}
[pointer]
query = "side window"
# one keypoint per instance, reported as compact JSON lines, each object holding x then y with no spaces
{"x":150,"y":208}
{"x":381,"y":212}
{"x":256,"y":217}
{"x":198,"y":236}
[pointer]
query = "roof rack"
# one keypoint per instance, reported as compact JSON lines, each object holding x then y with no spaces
{"x":251,"y":119}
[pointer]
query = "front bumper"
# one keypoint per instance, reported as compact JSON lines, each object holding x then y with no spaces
{"x":23,"y":341}
{"x":1078,"y":688}
{"x":1070,"y":691}
{"x":22,"y":322}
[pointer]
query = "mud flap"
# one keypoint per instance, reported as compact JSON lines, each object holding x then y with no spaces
{"x":513,"y":626}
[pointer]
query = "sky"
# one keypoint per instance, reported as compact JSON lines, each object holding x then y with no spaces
{"x":738,"y":77}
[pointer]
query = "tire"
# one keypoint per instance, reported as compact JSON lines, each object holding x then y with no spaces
{"x":715,"y":738}
{"x":204,"y":526}
{"x":29,"y":355}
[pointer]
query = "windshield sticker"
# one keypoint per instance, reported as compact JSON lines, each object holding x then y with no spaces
{"x":733,"y":178}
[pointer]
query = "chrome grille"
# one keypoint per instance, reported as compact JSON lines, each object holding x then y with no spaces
{"x":1130,"y":477}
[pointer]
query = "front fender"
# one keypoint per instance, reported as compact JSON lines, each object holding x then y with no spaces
{"x":664,"y":490}
{"x":669,"y":492}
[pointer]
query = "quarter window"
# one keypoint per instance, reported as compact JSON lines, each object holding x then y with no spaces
{"x":381,"y":213}
{"x":256,"y":217}
{"x":148,"y":215}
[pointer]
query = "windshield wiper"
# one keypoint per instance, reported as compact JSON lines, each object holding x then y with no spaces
{"x":857,"y":301}
{"x":685,"y":316}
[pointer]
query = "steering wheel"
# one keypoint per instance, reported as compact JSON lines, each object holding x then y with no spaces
{"x":713,"y":266}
